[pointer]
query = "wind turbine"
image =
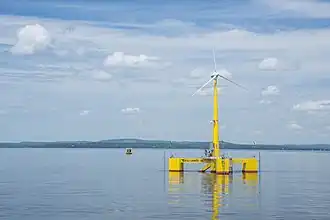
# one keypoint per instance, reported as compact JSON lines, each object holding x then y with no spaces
{"x":214,"y":77}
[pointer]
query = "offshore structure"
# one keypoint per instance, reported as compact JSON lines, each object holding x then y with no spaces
{"x":214,"y":162}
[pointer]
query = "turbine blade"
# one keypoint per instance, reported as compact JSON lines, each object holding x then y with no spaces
{"x":233,"y":82}
{"x":215,"y":63}
{"x":205,"y":84}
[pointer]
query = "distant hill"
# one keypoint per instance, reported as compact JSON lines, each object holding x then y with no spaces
{"x":161,"y":144}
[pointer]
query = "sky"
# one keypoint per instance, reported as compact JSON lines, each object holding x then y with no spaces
{"x":95,"y":70}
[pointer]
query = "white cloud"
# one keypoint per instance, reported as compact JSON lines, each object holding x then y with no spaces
{"x":174,"y":23}
{"x":106,"y":39}
{"x":268,"y":64}
{"x":3,"y":112}
{"x":225,"y":73}
{"x":101,"y":75}
{"x":61,"y":53}
{"x":309,"y":8}
{"x":270,"y":90}
{"x":130,"y":110}
{"x":207,"y":91}
{"x":294,"y":126}
{"x":257,"y":132}
{"x":198,"y":73}
{"x":186,"y":52}
{"x":266,"y":102}
{"x":274,"y":64}
{"x":312,"y":106}
{"x":165,"y":26}
{"x":291,"y":41}
{"x":30,"y":39}
{"x":121,"y":59}
{"x":81,"y":51}
{"x":84,"y":112}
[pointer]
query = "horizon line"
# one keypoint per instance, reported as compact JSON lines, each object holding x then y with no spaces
{"x":150,"y":139}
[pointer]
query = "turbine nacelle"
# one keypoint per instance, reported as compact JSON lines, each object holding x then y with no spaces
{"x":215,"y":75}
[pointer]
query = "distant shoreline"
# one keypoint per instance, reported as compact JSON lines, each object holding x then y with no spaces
{"x":182,"y":148}
{"x":158,"y":144}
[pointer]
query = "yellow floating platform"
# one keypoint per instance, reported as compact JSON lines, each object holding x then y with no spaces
{"x":215,"y":165}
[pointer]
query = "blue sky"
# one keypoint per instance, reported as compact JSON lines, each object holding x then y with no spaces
{"x":92,"y":70}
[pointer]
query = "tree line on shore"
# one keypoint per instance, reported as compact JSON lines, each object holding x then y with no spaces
{"x":161,"y":144}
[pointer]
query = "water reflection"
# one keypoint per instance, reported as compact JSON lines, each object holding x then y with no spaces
{"x":250,"y":179}
{"x":175,"y":178}
{"x":216,"y":193}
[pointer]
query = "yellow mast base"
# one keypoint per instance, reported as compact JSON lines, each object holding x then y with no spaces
{"x":222,"y":166}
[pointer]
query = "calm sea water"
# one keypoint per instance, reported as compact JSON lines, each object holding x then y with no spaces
{"x":107,"y":184}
